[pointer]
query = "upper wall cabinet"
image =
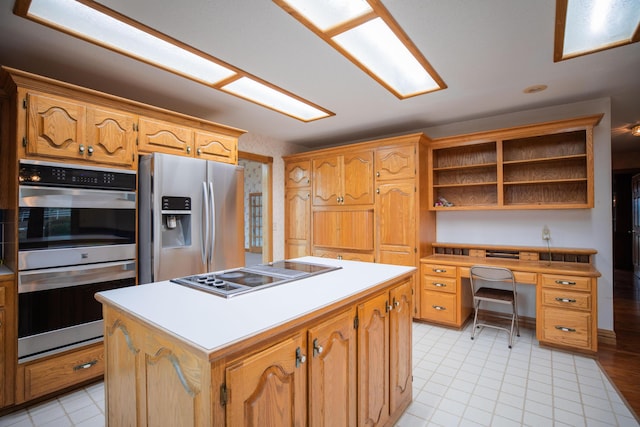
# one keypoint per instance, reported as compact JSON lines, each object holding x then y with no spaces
{"x":343,"y":179}
{"x":59,"y":128}
{"x":59,"y":121}
{"x":545,"y":166}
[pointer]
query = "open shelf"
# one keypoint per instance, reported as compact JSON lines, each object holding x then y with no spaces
{"x":549,"y":165}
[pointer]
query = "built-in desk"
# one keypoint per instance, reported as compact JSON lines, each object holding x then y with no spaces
{"x":565,"y":279}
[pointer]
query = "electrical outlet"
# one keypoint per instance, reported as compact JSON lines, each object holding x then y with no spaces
{"x":546,"y":233}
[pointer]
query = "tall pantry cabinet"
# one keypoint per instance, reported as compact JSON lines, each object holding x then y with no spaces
{"x":364,"y":201}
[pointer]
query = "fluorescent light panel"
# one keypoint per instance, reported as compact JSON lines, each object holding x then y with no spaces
{"x":367,"y":34}
{"x":588,"y":26}
{"x":108,"y":31}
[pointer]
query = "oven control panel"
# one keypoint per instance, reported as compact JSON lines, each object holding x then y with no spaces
{"x":70,"y":176}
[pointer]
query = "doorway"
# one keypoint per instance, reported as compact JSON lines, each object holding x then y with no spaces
{"x":258,"y":223}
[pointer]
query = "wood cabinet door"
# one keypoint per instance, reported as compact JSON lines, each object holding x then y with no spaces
{"x":373,"y":362}
{"x":215,"y":146}
{"x":332,"y":372}
{"x":110,"y":136}
{"x":327,"y":178}
{"x":396,"y":162}
{"x":55,"y":127}
{"x":400,"y":368}
{"x":157,"y":136}
{"x":270,"y":387}
{"x":357,"y":177}
{"x":352,"y":229}
{"x":297,"y":223}
{"x":297,"y":174}
{"x":396,"y":219}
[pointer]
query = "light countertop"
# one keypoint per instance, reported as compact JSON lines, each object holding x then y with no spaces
{"x":212,"y":322}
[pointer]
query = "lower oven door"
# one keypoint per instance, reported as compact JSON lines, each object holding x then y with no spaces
{"x":57,"y":309}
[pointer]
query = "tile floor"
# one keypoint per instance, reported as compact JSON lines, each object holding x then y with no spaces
{"x":457,"y":382}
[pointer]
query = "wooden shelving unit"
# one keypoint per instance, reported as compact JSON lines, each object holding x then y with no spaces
{"x":544,"y":166}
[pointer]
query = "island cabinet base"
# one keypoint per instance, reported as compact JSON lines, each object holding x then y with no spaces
{"x":336,"y":366}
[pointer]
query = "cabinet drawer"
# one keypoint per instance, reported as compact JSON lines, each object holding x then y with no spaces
{"x":441,"y":284}
{"x":526,"y":277}
{"x":438,"y":270}
{"x":438,"y":306}
{"x":566,"y":282}
{"x":567,"y":327}
{"x":43,"y":377}
{"x":566,"y":299}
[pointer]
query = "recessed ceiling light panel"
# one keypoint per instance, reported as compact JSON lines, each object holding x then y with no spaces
{"x":327,"y":14}
{"x":586,"y":26}
{"x":95,"y":23}
{"x":262,"y":94}
{"x":365,"y":32}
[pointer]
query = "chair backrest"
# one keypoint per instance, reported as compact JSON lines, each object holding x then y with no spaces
{"x":486,"y":273}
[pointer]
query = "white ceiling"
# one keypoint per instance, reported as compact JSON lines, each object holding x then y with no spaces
{"x":486,"y":51}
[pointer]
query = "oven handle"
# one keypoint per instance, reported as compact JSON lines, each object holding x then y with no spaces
{"x":58,"y":197}
{"x":63,"y":277}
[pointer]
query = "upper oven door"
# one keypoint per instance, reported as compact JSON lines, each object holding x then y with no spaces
{"x":63,"y":218}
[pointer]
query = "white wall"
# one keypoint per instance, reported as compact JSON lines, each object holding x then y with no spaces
{"x":572,"y":228}
{"x":258,"y":144}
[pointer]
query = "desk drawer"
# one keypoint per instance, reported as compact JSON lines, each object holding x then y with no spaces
{"x":566,"y":282}
{"x":439,"y":270}
{"x":566,"y":299}
{"x":438,"y":306}
{"x":567,"y":327}
{"x":441,"y":284}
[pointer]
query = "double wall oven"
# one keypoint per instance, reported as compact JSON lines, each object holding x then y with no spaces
{"x":77,"y":236}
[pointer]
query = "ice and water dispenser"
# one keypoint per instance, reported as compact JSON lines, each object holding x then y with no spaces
{"x":176,"y":221}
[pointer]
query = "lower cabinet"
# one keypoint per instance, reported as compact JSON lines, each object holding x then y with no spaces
{"x":384,"y":356}
{"x":269,"y":388}
{"x":333,"y":371}
{"x":45,"y":376}
{"x":444,"y":297}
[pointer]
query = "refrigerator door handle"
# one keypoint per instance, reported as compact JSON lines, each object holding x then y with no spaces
{"x":204,"y":242}
{"x":212,"y":201}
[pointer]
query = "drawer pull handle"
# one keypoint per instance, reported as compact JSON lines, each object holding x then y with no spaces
{"x":565,"y":299}
{"x":439,"y":307}
{"x":565,"y":329}
{"x":565,"y":282}
{"x":439,"y":270}
{"x":85,"y":365}
{"x":439,"y":285}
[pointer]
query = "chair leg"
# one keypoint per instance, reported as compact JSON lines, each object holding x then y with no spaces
{"x":515,"y":310}
{"x":475,"y":319}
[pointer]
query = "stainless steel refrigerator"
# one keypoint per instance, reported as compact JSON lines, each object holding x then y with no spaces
{"x":190,"y":217}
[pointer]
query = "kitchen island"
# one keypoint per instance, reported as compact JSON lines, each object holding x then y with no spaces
{"x":331,"y":349}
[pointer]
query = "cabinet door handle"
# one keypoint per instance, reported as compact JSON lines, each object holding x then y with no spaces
{"x":389,"y":307}
{"x":378,"y":174}
{"x":377,"y":191}
{"x":90,"y":150}
{"x":188,"y":150}
{"x":565,"y":329}
{"x":559,"y":299}
{"x":338,"y":199}
{"x":81,"y":148}
{"x":85,"y":365}
{"x":199,"y":151}
{"x":300,"y":358}
{"x":565,"y":282}
{"x":439,"y":307}
{"x":317,"y":348}
{"x":439,"y":270}
{"x":439,"y":285}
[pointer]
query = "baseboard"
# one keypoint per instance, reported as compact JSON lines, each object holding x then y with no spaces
{"x":497,"y":317}
{"x":607,"y":337}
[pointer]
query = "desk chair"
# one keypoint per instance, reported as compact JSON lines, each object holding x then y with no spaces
{"x":481,"y":277}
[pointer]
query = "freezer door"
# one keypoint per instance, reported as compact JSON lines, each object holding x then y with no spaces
{"x":227,"y":226}
{"x":177,"y":236}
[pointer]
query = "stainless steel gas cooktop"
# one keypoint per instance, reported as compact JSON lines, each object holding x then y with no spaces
{"x":239,"y":281}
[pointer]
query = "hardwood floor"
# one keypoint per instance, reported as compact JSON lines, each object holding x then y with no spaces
{"x":621,"y":361}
